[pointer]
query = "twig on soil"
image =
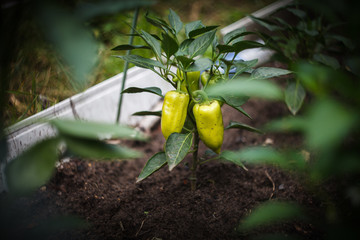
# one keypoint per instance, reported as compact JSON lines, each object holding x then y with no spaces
{"x":142,"y":224}
{"x":272,"y":182}
{"x":122,"y":226}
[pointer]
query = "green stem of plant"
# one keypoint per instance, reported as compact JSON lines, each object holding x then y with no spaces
{"x":178,"y":88}
{"x":187,"y":84}
{"x":204,"y":96}
{"x":194,"y":165}
{"x":136,"y":14}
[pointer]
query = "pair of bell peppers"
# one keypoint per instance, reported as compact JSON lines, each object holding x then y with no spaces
{"x":208,"y":116}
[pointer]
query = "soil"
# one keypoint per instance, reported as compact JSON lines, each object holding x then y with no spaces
{"x":162,"y":206}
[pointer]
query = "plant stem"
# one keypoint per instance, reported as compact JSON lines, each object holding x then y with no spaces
{"x":133,"y":26}
{"x":204,"y":96}
{"x":193,"y":178}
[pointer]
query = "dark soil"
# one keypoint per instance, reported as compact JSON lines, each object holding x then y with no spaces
{"x":163,"y":206}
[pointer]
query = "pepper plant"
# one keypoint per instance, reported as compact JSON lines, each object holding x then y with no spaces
{"x":190,"y":112}
{"x":307,"y":37}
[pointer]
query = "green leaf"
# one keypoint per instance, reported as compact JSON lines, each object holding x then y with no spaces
{"x":152,"y":42}
{"x":175,"y":21}
{"x":294,"y":96}
{"x":260,"y":155}
{"x":177,"y":147}
{"x":129,"y":47}
{"x":233,"y":34}
{"x":200,"y":31}
{"x":324,"y":115}
{"x":142,"y":62}
{"x":192,"y":26}
{"x":353,"y":64}
{"x":268,"y":72}
{"x":287,"y":124}
{"x":267,"y":155}
{"x":169,"y":45}
{"x":239,"y":46}
{"x":185,"y":61}
{"x":236,"y":36}
{"x":327,"y":60}
{"x":215,"y":43}
{"x":33,"y":168}
{"x":200,"y":44}
{"x":148,"y":113}
{"x":233,"y":124}
{"x":297,"y":12}
{"x":225,"y":48}
{"x":314,"y":78}
{"x":266,"y":24}
{"x":184,"y":47}
{"x":98,"y":150}
{"x":242,"y":45}
{"x":199,"y":65}
{"x":284,"y":23}
{"x":240,"y":109}
{"x":236,"y":102}
{"x":346,"y":41}
{"x":244,"y":66}
{"x":154,"y":90}
{"x":94,"y":130}
{"x":270,"y":213}
{"x":157,"y":22}
{"x":153,"y":164}
{"x":243,"y":88}
{"x":231,"y":157}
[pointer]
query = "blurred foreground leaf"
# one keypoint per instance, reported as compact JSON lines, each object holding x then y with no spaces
{"x":243,"y":88}
{"x":270,"y":213}
{"x":327,"y":123}
{"x":266,"y":155}
{"x":268,"y":72}
{"x":75,"y":44}
{"x":94,"y":130}
{"x":99,"y":150}
{"x":33,"y":168}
